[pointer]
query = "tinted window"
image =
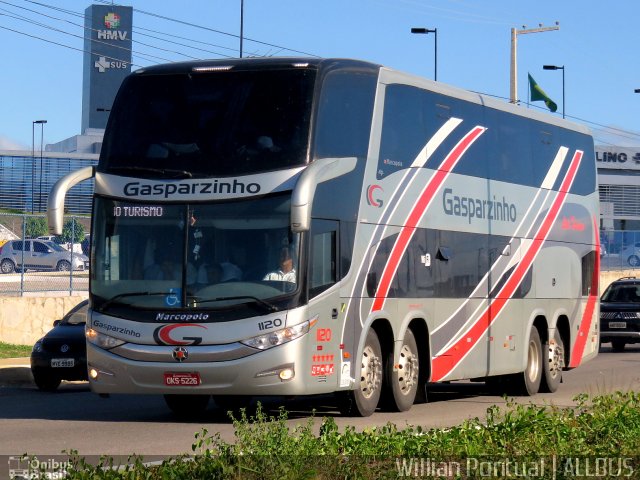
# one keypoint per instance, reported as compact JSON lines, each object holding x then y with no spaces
{"x":40,"y":247}
{"x":344,"y":116}
{"x":221,"y":123}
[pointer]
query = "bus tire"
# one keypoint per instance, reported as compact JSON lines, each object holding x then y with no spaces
{"x":187,"y":406}
{"x":402,"y":383}
{"x":527,"y":383}
{"x":363,"y":401}
{"x":553,"y":361}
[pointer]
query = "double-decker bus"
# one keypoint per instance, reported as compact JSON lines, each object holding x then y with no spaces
{"x":281,"y":227}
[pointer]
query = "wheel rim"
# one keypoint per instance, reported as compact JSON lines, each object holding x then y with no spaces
{"x":556,"y":359}
{"x":6,"y":267}
{"x":370,"y":372}
{"x":633,"y":261}
{"x":407,"y":370}
{"x":64,"y":267}
{"x":533,"y":365}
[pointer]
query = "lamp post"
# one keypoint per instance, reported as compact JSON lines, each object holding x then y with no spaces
{"x":241,"y":25}
{"x":33,"y":159}
{"x":424,"y":31}
{"x":555,"y":67}
{"x":41,"y":122}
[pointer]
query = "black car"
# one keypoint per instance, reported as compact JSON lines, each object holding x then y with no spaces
{"x":62,"y":353}
{"x":620,"y":313}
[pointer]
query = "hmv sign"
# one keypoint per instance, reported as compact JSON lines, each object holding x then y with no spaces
{"x":107,"y":60}
{"x":619,"y":158}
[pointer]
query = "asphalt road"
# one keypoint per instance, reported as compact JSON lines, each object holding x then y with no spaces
{"x":74,"y":418}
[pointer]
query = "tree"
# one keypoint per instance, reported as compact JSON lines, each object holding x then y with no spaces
{"x":72,"y":230}
{"x":35,"y":227}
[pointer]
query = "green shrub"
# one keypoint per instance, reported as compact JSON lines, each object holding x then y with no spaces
{"x":266,"y":447}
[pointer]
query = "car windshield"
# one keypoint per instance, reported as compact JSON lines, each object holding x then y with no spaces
{"x":202,"y":256}
{"x":77,"y":316}
{"x":621,"y":293}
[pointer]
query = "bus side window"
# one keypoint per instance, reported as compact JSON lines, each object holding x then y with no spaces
{"x":323,"y":256}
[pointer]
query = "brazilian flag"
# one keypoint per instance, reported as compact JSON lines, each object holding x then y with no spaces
{"x":538,"y":94}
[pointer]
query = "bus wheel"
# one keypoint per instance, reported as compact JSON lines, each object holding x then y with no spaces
{"x":187,"y":406}
{"x":402,"y":382}
{"x":363,"y":401}
{"x":528,"y":382}
{"x":553,"y":361}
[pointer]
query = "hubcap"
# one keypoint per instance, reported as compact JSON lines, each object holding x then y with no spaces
{"x":370,"y":372}
{"x":407,"y":370}
{"x":533,"y":366}
{"x":556,"y":359}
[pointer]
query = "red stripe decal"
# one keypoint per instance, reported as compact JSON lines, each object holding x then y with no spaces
{"x":423,"y":202}
{"x":587,"y":316}
{"x":443,"y":364}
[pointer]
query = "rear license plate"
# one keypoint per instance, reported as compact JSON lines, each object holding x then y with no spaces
{"x":63,"y":362}
{"x":189,"y":379}
{"x":617,"y":324}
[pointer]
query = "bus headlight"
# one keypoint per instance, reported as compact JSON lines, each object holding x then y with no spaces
{"x":278,"y":337}
{"x":101,"y":340}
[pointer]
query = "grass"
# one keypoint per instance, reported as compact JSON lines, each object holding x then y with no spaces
{"x":599,"y":433}
{"x":8,"y":350}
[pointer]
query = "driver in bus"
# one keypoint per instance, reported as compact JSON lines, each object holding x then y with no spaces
{"x":286,"y":272}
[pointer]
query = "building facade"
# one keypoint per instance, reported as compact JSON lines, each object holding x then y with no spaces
{"x":27,"y":178}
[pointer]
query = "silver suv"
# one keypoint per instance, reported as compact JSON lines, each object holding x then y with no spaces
{"x":23,"y":255}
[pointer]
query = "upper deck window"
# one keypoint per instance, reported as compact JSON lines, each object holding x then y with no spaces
{"x":209,"y":124}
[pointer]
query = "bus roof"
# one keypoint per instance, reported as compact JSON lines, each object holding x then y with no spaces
{"x":389,"y":75}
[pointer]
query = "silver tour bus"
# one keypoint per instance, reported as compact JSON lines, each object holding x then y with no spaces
{"x":295,"y":226}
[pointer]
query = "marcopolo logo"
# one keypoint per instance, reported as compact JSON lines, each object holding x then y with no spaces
{"x":470,"y":207}
{"x":166,"y":190}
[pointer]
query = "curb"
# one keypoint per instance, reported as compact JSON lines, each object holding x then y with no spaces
{"x":15,"y":372}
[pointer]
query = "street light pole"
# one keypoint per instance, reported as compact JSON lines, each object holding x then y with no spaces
{"x":33,"y":161}
{"x":424,"y":31}
{"x":513,"y":96}
{"x":241,"y":25}
{"x":41,"y":122}
{"x":555,"y":67}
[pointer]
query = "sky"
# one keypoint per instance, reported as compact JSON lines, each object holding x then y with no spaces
{"x":597,"y":43}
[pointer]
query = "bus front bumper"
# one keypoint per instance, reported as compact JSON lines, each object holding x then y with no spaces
{"x":280,"y":370}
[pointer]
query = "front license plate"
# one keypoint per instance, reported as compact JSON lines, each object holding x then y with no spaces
{"x":63,"y":362}
{"x":189,"y":379}
{"x":617,"y":324}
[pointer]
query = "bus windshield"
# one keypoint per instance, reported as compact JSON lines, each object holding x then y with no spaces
{"x":209,"y":124}
{"x":202,"y":256}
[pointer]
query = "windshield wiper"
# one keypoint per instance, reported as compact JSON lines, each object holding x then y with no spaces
{"x":258,"y":301}
{"x":132,"y":294}
{"x":159,"y":171}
